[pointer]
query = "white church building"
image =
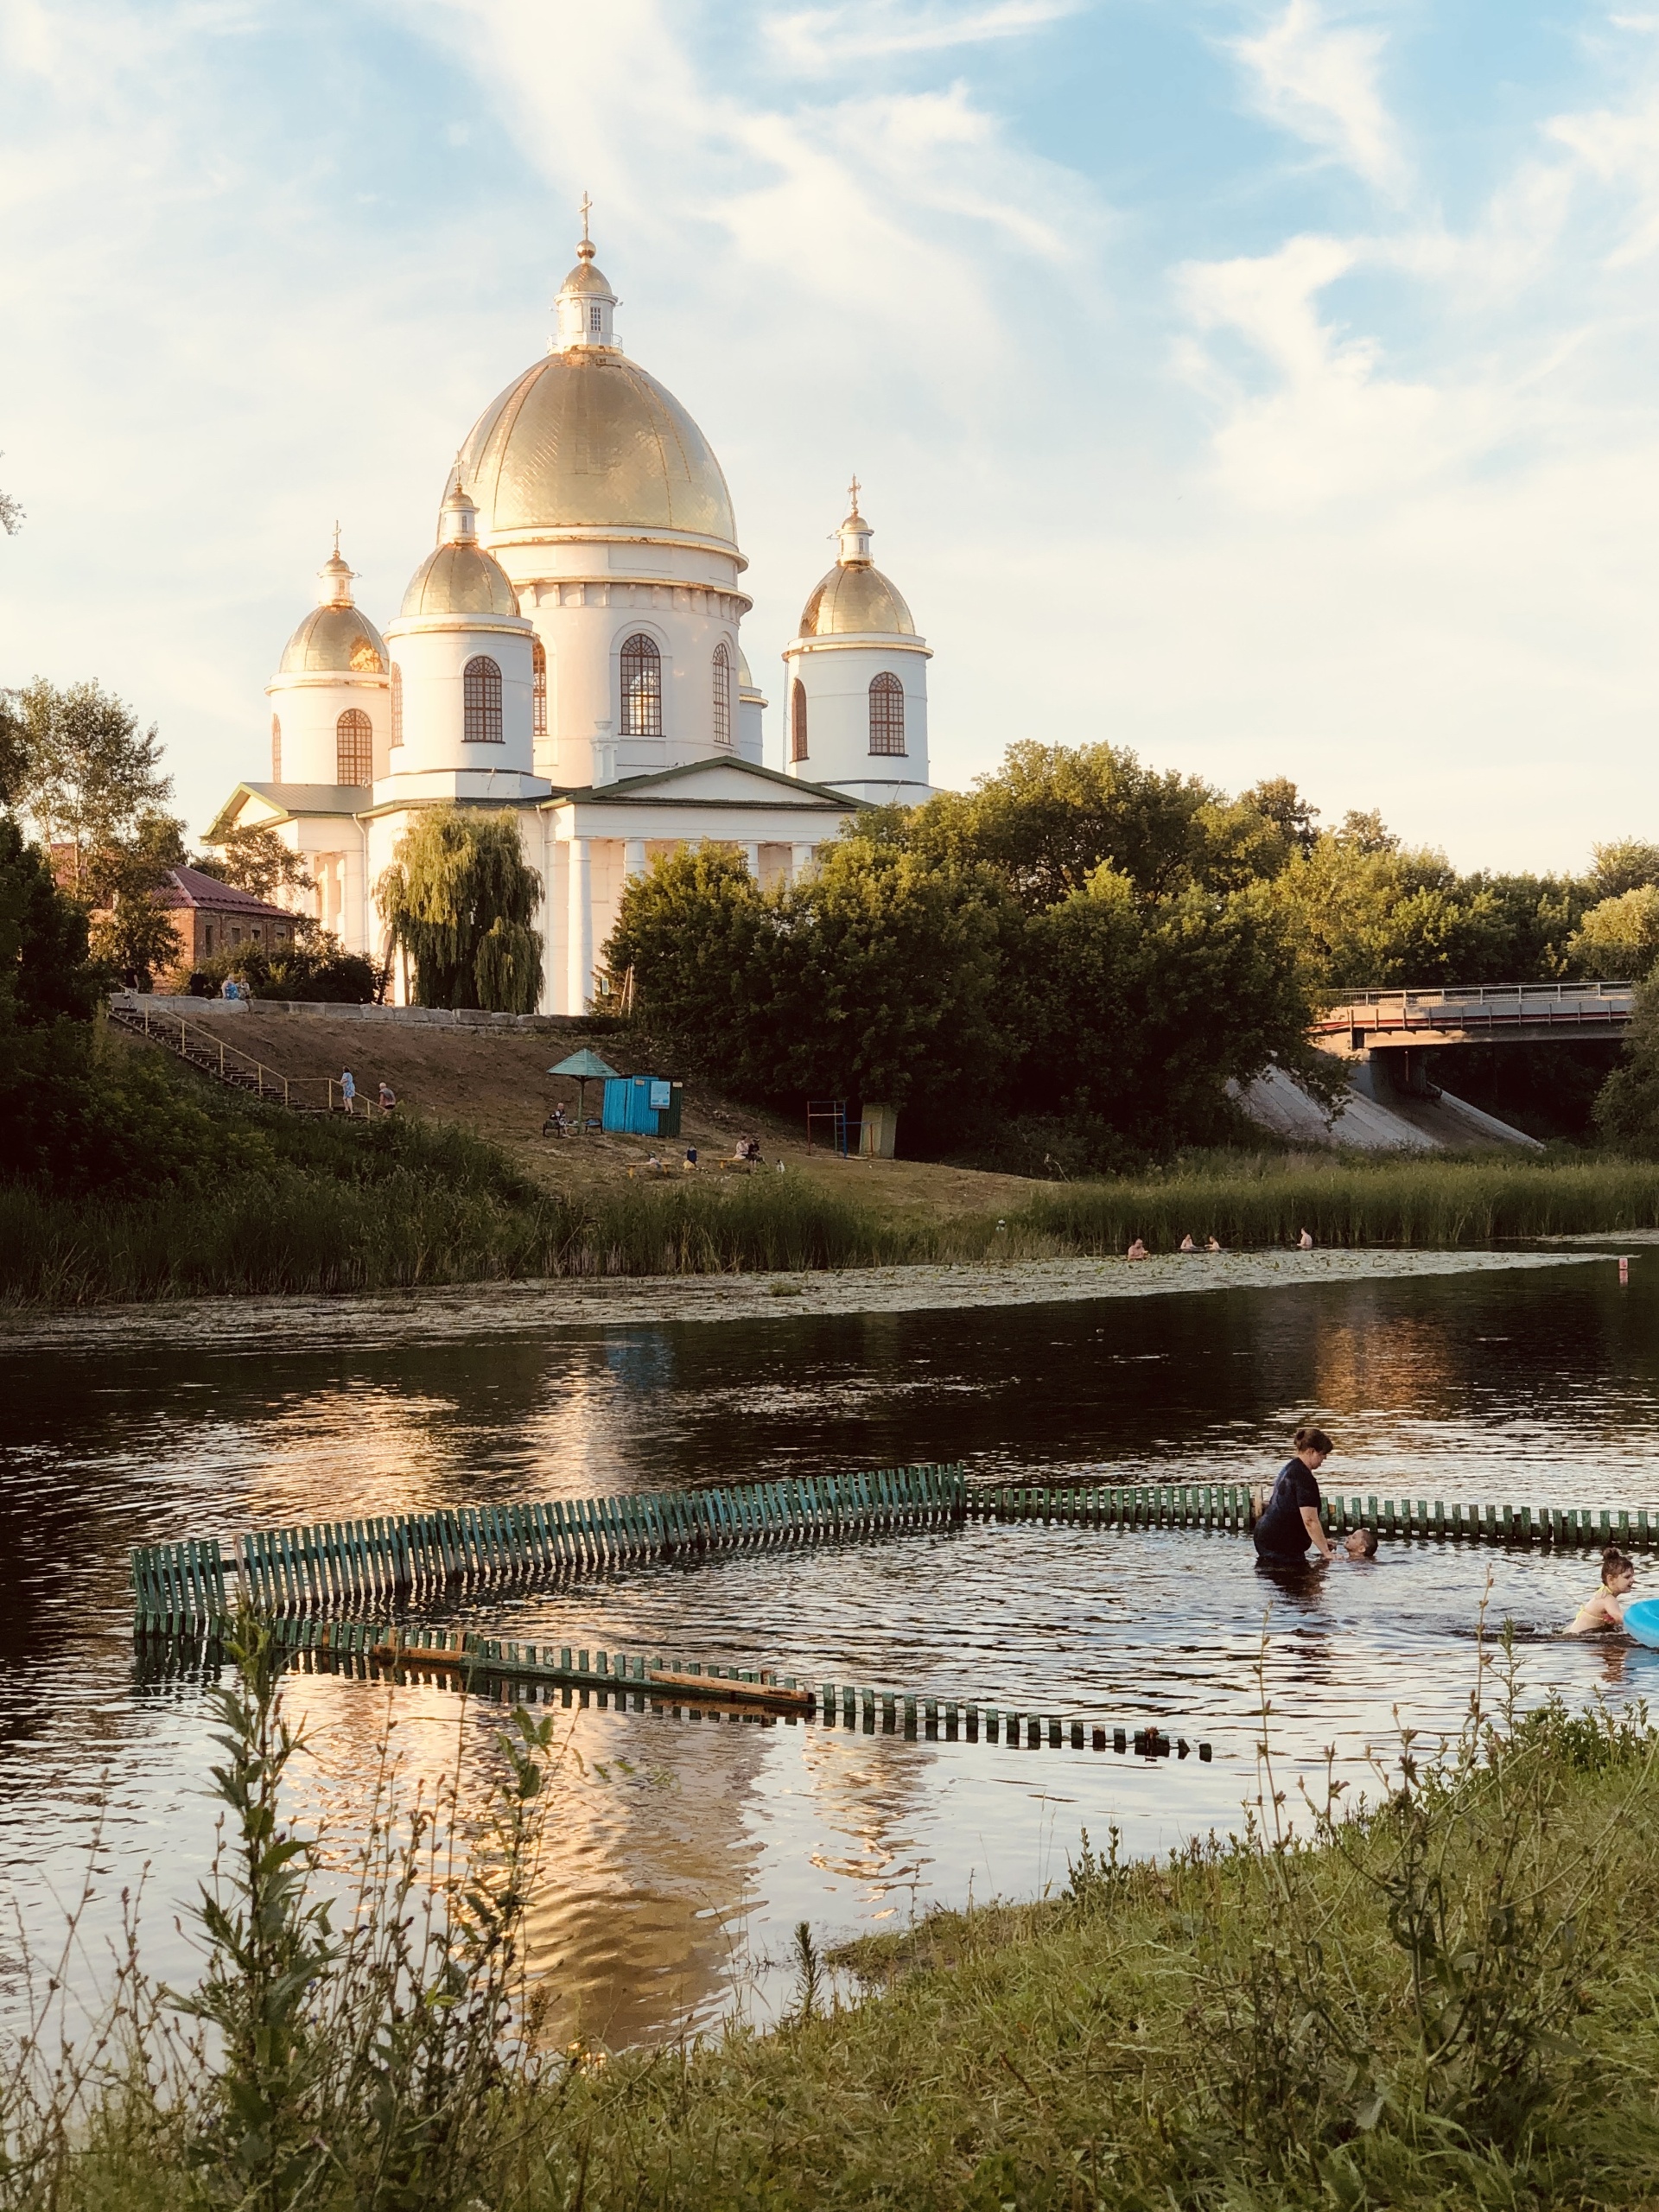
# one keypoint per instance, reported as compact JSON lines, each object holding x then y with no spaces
{"x":570,"y":649}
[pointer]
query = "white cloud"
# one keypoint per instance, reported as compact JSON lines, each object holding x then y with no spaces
{"x":1318,"y":80}
{"x":815,"y":40}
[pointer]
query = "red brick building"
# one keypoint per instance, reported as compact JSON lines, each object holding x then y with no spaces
{"x":212,"y":916}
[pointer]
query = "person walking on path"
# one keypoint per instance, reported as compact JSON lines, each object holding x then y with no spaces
{"x":388,"y":1096}
{"x":347,"y":1088}
{"x":1290,"y":1521}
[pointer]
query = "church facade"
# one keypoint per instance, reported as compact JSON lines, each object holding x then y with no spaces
{"x":571,"y":649}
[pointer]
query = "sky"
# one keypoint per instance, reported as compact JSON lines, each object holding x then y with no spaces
{"x":1272,"y":389}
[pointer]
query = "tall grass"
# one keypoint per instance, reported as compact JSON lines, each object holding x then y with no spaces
{"x":1432,"y":1203}
{"x":431,"y":1219}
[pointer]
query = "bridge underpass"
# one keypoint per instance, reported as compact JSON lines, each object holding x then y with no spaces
{"x":1390,"y":1041}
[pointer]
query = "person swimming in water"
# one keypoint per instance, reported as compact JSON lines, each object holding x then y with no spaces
{"x":1604,"y":1613}
{"x":1289,"y":1521}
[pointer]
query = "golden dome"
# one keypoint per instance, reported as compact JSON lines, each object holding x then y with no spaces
{"x":857,"y":599}
{"x":459,"y":579}
{"x":585,"y":440}
{"x":585,"y":277}
{"x":335,"y":640}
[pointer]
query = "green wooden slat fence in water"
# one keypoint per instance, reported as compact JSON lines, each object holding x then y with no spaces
{"x":186,"y":1587}
{"x":180,"y":1588}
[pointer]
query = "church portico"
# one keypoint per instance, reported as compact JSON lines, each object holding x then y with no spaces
{"x":571,"y":651}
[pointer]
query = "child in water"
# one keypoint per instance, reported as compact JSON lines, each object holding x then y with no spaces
{"x":1605,"y":1613}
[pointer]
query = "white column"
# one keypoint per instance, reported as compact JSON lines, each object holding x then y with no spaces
{"x":634,"y":858}
{"x":752,"y":861}
{"x":800,"y":860}
{"x":580,"y":977}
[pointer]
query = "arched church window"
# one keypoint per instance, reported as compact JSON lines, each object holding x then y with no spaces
{"x":886,"y":714}
{"x":642,"y":687}
{"x":355,"y":747}
{"x":797,"y":721}
{"x":538,"y":689}
{"x":396,"y":704}
{"x":722,"y":695}
{"x":276,"y":749}
{"x":481,"y":701}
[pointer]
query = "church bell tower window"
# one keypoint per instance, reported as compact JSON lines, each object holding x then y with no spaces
{"x":797,"y":721}
{"x":396,"y":704}
{"x":355,"y":747}
{"x":642,"y":687}
{"x":481,"y":701}
{"x":723,"y":673}
{"x":886,"y":714}
{"x":275,"y":750}
{"x":539,"y":689}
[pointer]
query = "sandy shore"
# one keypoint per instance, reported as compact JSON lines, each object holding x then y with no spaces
{"x":476,"y":1308}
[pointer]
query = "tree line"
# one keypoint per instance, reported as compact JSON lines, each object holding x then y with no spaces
{"x":1078,"y":961}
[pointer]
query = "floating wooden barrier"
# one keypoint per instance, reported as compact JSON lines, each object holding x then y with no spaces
{"x":321,"y":1567}
{"x":1234,"y":1506}
{"x":375,"y":1651}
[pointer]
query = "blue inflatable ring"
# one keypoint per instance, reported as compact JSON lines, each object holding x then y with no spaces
{"x":1641,"y":1621}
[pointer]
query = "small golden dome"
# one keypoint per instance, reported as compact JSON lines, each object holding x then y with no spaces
{"x":459,"y":579}
{"x":586,"y":440}
{"x":857,"y":599}
{"x":745,"y":681}
{"x":335,"y":640}
{"x":585,"y":277}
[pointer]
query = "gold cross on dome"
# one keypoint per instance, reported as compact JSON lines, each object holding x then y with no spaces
{"x":584,"y":211}
{"x":336,"y":541}
{"x":852,"y":494}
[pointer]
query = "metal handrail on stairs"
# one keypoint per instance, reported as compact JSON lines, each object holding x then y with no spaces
{"x":229,"y":1063}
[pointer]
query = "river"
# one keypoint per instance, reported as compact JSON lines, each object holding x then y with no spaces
{"x":684,"y":1852}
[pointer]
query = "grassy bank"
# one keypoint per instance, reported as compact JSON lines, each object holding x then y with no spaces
{"x":393,"y":1208}
{"x":1447,"y":2002}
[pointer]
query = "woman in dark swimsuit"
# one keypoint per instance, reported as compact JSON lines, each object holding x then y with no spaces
{"x":1289,"y":1523}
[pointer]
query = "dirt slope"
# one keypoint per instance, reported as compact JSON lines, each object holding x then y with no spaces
{"x":497,"y":1083}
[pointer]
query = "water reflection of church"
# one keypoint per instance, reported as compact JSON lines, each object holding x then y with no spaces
{"x":570,"y":649}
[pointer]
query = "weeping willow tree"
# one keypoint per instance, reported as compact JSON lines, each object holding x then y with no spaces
{"x":457,"y":901}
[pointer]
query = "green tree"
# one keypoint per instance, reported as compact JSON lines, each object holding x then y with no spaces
{"x":1624,"y":864}
{"x":458,"y":899}
{"x":1370,"y":912}
{"x":1627,"y":1105}
{"x":1620,"y":937}
{"x":11,"y":515}
{"x":256,"y":861}
{"x":1141,"y":1019}
{"x":89,"y":772}
{"x":1277,"y":799}
{"x":1052,"y":814}
{"x":45,"y":976}
{"x":876,"y":978}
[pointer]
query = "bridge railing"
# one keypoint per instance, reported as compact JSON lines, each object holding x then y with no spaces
{"x":1481,"y":1006}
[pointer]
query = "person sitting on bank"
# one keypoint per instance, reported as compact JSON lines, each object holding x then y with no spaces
{"x":1138,"y":1250}
{"x":1214,"y":1245}
{"x":690,"y":1160}
{"x":1290,"y":1521}
{"x":1604,"y":1613}
{"x":1186,"y":1244}
{"x":1304,"y":1242}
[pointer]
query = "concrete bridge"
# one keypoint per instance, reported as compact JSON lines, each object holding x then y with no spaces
{"x":1476,"y":1013}
{"x":1386,"y":1040}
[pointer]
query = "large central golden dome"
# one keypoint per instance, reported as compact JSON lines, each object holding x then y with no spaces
{"x":585,"y":440}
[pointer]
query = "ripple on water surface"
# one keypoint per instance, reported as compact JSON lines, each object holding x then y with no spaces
{"x":685,"y":1849}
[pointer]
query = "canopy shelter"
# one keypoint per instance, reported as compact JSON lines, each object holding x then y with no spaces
{"x":586,"y":1067}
